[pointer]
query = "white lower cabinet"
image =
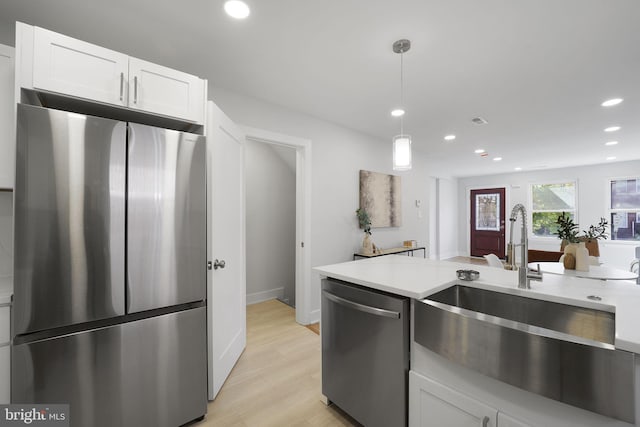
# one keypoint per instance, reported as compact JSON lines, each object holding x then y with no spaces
{"x":7,"y":118}
{"x":5,"y":374}
{"x":505,"y":420}
{"x":5,"y":355}
{"x":432,"y":404}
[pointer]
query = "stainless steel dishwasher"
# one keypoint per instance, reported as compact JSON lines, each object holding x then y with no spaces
{"x":365,"y":353}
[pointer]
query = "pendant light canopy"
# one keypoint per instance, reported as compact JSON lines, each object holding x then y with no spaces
{"x":402,"y":142}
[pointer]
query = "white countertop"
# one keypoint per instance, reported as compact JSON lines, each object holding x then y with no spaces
{"x":418,"y":278}
{"x":6,"y":289}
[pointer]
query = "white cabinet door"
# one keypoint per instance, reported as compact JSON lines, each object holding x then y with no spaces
{"x":432,"y":404}
{"x":66,"y":65}
{"x":505,"y":420}
{"x":7,"y":118}
{"x":5,"y":374}
{"x":165,"y":91}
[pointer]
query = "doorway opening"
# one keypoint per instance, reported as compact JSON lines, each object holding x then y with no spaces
{"x":300,"y":295}
{"x":270,"y":180}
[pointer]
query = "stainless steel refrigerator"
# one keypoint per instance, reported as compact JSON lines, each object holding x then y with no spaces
{"x":110,"y":270}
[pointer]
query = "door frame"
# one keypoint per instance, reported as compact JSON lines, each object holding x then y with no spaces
{"x":303,"y":213}
{"x":467,"y":219}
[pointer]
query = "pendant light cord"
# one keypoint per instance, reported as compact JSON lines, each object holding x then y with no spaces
{"x":402,"y":92}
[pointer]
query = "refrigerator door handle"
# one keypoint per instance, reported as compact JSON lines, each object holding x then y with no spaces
{"x":361,"y":307}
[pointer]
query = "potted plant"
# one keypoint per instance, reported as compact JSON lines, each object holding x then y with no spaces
{"x":567,"y":230}
{"x":365,"y":224}
{"x":591,"y":236}
{"x":568,"y":233}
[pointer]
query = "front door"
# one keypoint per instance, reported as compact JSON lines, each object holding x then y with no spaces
{"x":487,"y":222}
{"x":227,"y":287}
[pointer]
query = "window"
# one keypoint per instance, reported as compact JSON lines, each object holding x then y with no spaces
{"x":548,"y":201}
{"x":624,"y":207}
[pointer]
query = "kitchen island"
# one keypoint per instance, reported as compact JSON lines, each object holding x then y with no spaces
{"x":442,"y":392}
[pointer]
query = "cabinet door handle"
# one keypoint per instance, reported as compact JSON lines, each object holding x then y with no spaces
{"x":121,"y":85}
{"x":485,"y":421}
{"x":135,"y":90}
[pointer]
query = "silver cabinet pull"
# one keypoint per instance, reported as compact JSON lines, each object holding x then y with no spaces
{"x":135,"y":90}
{"x":485,"y":421}
{"x":218,"y":264}
{"x":121,"y":85}
{"x":361,"y":307}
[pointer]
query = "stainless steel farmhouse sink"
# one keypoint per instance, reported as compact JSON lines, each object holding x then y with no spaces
{"x":559,"y":351}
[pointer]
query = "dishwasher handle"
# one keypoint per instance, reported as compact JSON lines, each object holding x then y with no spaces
{"x":361,"y":307}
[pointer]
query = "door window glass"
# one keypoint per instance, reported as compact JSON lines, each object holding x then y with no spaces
{"x":488,"y":212}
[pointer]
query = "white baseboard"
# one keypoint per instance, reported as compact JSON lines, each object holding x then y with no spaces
{"x":261,"y":296}
{"x":448,"y":255}
{"x":314,"y":316}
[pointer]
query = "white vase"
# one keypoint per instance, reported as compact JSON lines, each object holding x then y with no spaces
{"x":582,"y":257}
{"x":569,"y":261}
{"x":367,"y":245}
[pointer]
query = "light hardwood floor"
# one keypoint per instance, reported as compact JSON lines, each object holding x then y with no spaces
{"x":276,"y":382}
{"x":468,"y":260}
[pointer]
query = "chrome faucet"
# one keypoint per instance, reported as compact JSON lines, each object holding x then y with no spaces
{"x":524,"y":275}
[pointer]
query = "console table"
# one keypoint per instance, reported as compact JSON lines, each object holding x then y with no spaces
{"x":393,"y":251}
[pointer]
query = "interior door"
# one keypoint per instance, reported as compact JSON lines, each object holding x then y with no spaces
{"x":226,"y":282}
{"x":487,"y":222}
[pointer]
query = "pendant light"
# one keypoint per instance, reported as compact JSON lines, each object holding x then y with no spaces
{"x":402,"y":142}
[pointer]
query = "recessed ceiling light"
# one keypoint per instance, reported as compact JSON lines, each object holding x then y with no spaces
{"x":611,"y":102}
{"x":497,"y":159}
{"x":517,"y":168}
{"x":449,"y":137}
{"x":236,"y":9}
{"x":611,"y":158}
{"x":397,"y":112}
{"x":479,"y":151}
{"x":612,"y":129}
{"x":611,"y":143}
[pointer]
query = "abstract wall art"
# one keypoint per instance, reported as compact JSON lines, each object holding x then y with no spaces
{"x":380,"y":196}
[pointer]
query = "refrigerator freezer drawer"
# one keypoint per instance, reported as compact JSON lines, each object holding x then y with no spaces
{"x":69,"y":219}
{"x":150,"y":372}
{"x":166,"y":218}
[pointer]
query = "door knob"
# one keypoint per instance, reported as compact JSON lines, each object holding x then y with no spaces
{"x":218,"y":264}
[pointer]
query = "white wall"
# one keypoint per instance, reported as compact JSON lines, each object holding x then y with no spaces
{"x":592,"y":197}
{"x":6,"y":233}
{"x":338,"y":154}
{"x":271,"y":222}
{"x":448,"y":227}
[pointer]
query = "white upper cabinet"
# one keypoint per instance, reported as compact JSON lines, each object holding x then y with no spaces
{"x":165,"y":91}
{"x":68,"y":66}
{"x":52,"y":62}
{"x":7,"y":118}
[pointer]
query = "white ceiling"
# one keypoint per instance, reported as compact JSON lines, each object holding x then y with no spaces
{"x":537,"y":70}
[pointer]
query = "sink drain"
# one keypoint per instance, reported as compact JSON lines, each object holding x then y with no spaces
{"x":594,"y":298}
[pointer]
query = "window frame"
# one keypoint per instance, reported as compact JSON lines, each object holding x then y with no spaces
{"x":609,"y":209}
{"x":575,"y":210}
